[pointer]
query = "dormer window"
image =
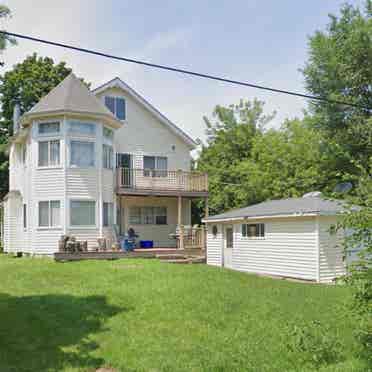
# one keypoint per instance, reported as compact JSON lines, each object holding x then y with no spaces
{"x":117,"y":106}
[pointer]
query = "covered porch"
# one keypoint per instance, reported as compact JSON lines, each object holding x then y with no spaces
{"x":162,"y":220}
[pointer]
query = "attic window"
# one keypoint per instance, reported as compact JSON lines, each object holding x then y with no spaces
{"x":117,"y":106}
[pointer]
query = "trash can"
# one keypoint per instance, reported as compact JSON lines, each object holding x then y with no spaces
{"x":146,"y":243}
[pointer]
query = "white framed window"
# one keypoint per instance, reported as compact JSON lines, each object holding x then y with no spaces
{"x":108,"y":157}
{"x":49,"y":213}
{"x":108,"y":214}
{"x":117,"y":106}
{"x":135,"y":215}
{"x":253,"y":230}
{"x":155,"y":166}
{"x":82,"y":213}
{"x":82,"y":128}
{"x":160,"y":216}
{"x":82,"y":154}
{"x":49,"y":128}
{"x":148,"y":215}
{"x":49,"y":153}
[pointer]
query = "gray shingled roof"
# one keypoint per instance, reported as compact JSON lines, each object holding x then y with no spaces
{"x":70,"y":95}
{"x":293,"y":206}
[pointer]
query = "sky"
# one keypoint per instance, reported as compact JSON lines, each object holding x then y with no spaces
{"x":259,"y":41}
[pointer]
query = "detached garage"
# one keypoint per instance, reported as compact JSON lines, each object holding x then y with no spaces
{"x":287,"y":238}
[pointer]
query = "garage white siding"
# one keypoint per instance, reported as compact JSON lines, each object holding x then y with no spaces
{"x":214,"y":245}
{"x":288,"y":249}
{"x":331,"y":252}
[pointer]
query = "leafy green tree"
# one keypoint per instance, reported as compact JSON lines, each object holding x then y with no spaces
{"x":230,"y":135}
{"x":339,"y":67}
{"x":284,"y":163}
{"x":26,"y":83}
{"x":5,"y":39}
{"x":358,"y":224}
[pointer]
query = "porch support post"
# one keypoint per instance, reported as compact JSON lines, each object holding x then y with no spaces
{"x":206,"y":208}
{"x":179,"y":222}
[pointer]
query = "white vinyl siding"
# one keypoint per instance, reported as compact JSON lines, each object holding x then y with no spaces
{"x":288,"y":249}
{"x":214,"y":244}
{"x":331,"y":251}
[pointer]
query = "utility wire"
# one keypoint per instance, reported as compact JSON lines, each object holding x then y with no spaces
{"x":182,"y":71}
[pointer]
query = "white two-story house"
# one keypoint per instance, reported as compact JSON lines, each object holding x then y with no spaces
{"x":83,"y":161}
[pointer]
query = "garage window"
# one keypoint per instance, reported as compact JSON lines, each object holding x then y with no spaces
{"x":253,"y":230}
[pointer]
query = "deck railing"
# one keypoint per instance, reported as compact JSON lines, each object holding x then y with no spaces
{"x":161,"y":180}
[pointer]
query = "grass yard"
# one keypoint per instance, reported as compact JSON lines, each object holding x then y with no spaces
{"x":144,"y":315}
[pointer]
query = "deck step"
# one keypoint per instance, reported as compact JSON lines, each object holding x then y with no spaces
{"x":186,"y":260}
{"x":170,"y":256}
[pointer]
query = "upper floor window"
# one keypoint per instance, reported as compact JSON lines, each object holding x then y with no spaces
{"x":117,"y":106}
{"x":49,"y":128}
{"x":82,"y":128}
{"x":82,"y":154}
{"x":155,"y":166}
{"x":107,"y":157}
{"x":253,"y":230}
{"x":49,"y":153}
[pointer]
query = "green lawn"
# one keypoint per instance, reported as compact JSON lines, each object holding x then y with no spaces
{"x":144,"y":315}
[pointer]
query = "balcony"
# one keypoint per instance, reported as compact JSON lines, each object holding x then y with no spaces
{"x":161,"y":182}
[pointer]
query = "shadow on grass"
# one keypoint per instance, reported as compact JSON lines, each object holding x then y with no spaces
{"x":50,"y":332}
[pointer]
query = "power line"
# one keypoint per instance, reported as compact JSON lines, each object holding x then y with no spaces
{"x":182,"y":71}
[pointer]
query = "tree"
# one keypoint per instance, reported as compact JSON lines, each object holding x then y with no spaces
{"x":358,"y":222}
{"x":339,"y":67}
{"x":229,"y":142}
{"x":284,"y":163}
{"x":26,"y":83}
{"x":5,"y":39}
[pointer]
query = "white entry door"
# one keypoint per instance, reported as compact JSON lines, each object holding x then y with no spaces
{"x":228,"y":247}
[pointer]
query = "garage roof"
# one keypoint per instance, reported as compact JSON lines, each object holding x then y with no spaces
{"x":284,"y":207}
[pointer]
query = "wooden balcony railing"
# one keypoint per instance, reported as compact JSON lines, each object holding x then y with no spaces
{"x":161,"y":180}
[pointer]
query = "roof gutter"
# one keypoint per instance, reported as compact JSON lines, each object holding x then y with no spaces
{"x":111,"y":121}
{"x":211,"y":220}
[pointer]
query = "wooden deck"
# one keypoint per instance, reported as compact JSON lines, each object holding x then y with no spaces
{"x":115,"y":255}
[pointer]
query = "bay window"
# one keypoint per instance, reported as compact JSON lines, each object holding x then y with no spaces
{"x":82,"y":154}
{"x":49,"y":128}
{"x":82,"y":128}
{"x":49,"y":153}
{"x":49,"y":213}
{"x":82,"y":213}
